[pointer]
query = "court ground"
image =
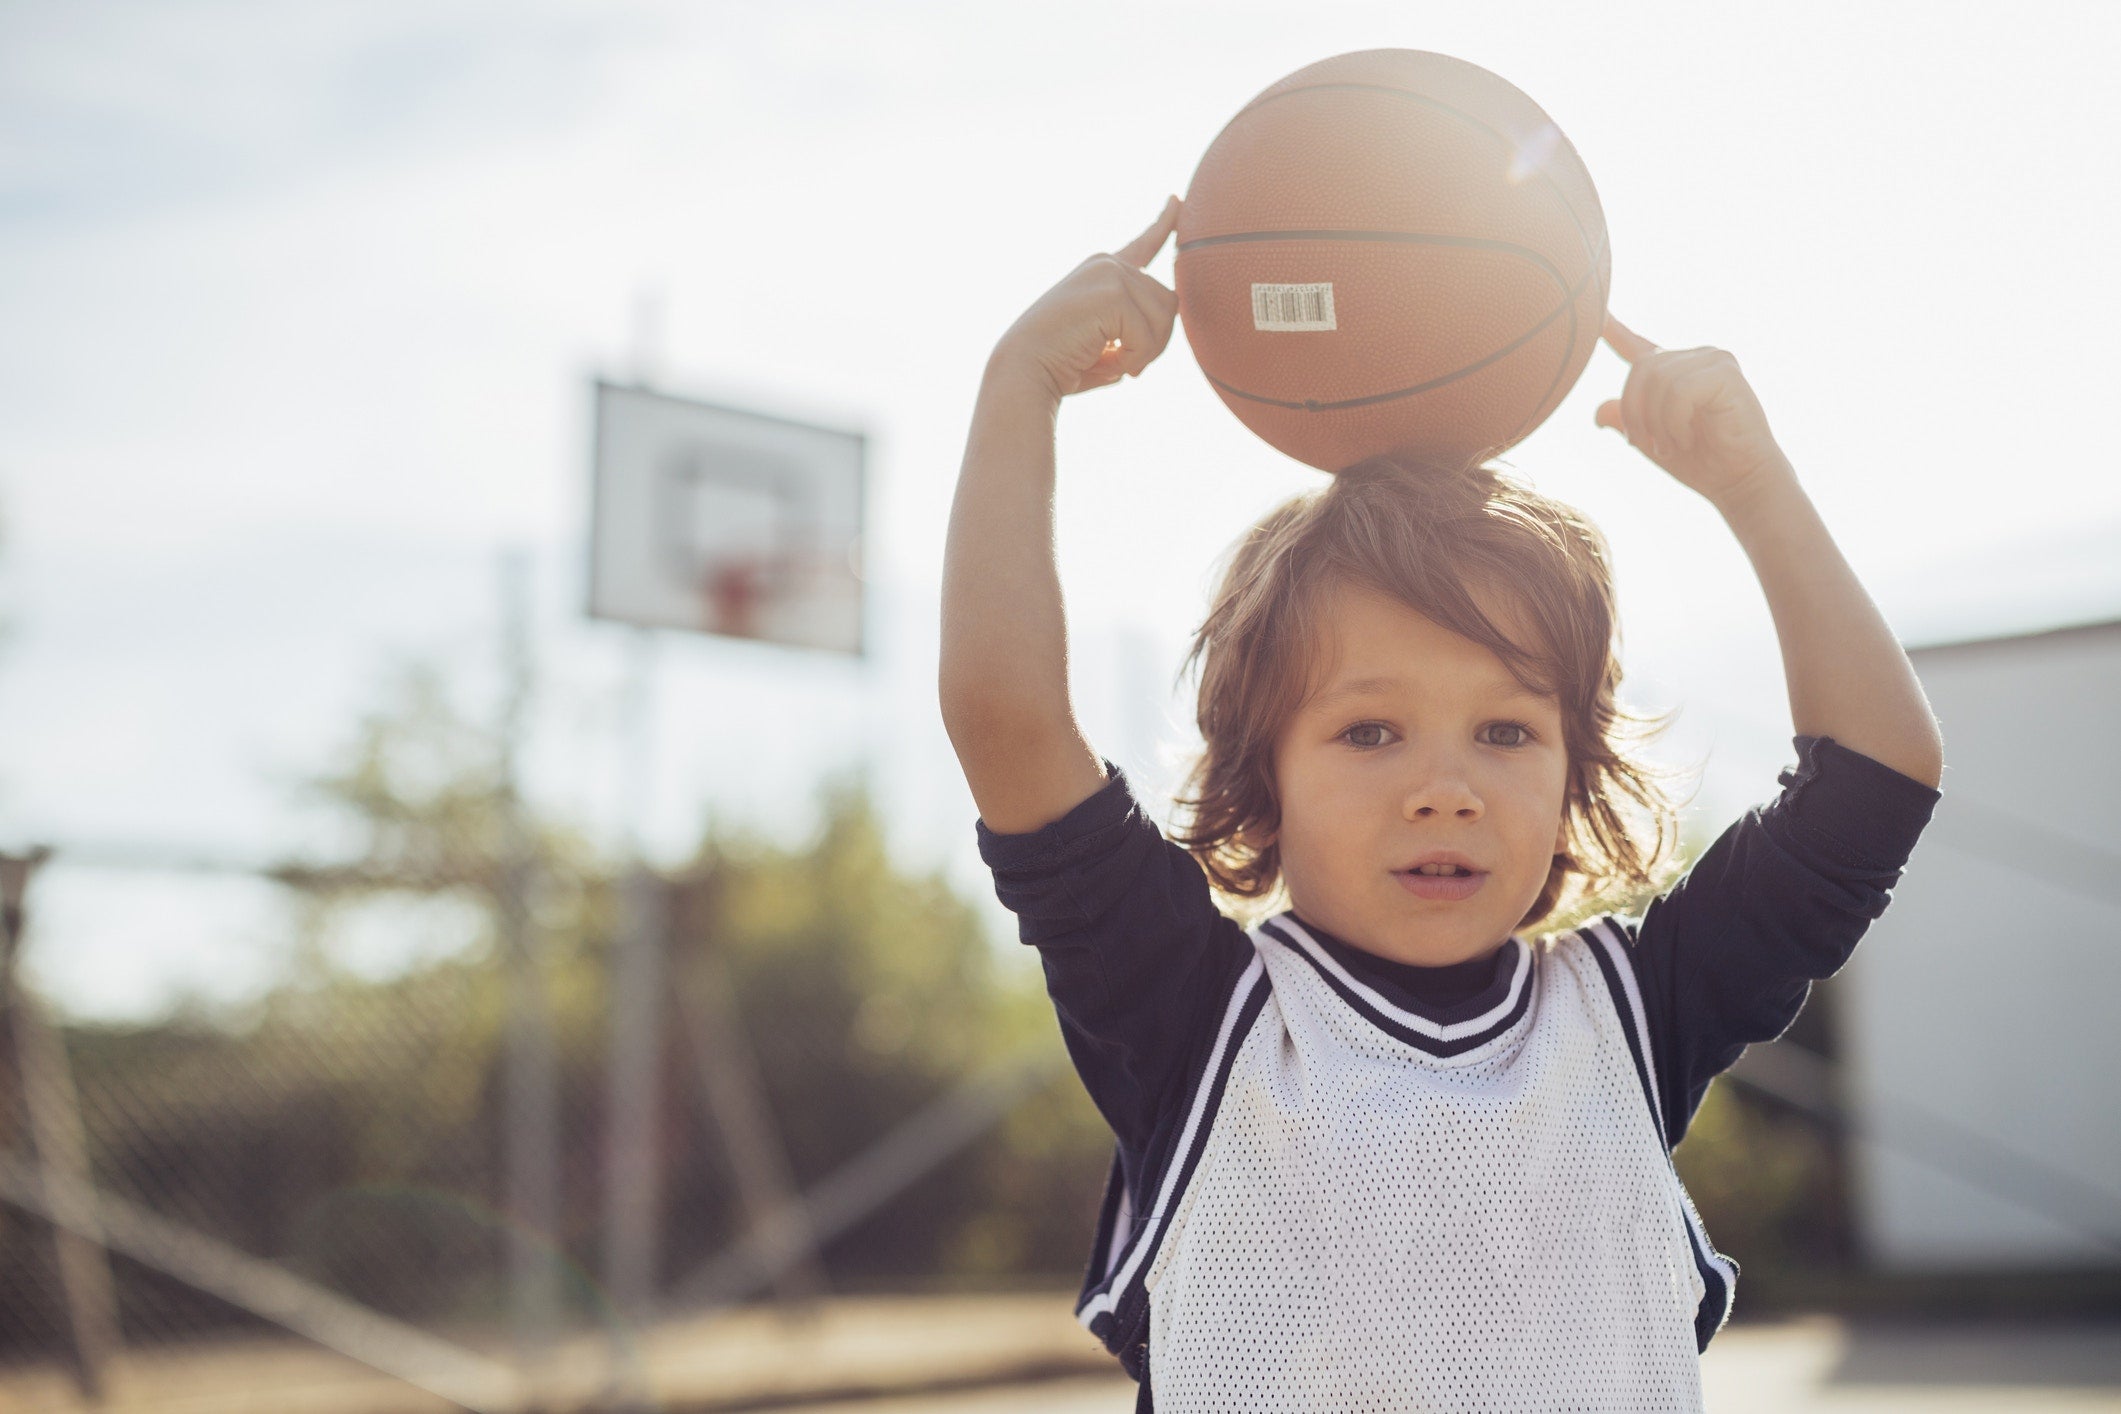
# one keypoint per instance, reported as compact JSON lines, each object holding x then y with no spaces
{"x":1022,"y":1354}
{"x":1809,"y":1366}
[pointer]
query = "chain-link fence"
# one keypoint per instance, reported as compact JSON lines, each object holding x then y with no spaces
{"x":618,"y":1101}
{"x":625,"y":1098}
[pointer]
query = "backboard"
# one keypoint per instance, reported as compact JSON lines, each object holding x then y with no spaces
{"x":719,"y":520}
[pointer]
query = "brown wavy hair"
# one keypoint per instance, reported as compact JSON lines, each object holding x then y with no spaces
{"x":1429,"y":537}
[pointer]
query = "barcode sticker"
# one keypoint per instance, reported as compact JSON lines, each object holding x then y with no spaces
{"x":1292,"y":308}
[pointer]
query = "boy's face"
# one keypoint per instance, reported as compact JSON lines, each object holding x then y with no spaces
{"x":1405,"y":746}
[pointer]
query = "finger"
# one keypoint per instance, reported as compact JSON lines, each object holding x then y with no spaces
{"x":1109,"y":367}
{"x":1128,"y":333}
{"x":1635,"y":402}
{"x":1675,"y":412}
{"x":1158,"y":305}
{"x":1608,"y":415}
{"x":1101,"y":375}
{"x":1145,"y":318}
{"x":1644,"y":401}
{"x":1144,"y":339}
{"x":1143,"y":248}
{"x":1691,"y":379}
{"x":1626,"y":342}
{"x":1155,"y":294}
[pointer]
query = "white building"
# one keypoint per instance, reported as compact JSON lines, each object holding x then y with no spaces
{"x":1981,"y":1019}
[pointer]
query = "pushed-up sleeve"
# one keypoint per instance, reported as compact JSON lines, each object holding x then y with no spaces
{"x":1138,"y":960}
{"x":1727,"y":956}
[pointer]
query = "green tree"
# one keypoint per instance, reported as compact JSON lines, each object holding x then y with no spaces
{"x":349,"y":1123}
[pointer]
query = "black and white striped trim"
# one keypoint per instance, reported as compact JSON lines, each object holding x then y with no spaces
{"x":1719,"y":1275}
{"x":1113,"y":1309}
{"x":1415,"y":1030}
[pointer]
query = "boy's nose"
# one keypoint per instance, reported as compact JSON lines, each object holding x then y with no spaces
{"x":1445,"y":793}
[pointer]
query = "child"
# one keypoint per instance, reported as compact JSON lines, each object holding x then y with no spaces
{"x":1394,"y":1148}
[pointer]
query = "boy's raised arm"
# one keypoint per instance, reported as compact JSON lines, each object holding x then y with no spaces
{"x":1003,"y":671}
{"x":1692,"y":412}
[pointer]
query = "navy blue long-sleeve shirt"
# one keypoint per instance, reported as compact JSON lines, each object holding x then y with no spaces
{"x":1139,"y":961}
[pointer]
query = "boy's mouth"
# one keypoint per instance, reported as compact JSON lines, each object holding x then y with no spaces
{"x":1440,"y":881}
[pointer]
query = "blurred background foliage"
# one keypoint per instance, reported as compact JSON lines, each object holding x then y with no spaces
{"x":350,"y":1123}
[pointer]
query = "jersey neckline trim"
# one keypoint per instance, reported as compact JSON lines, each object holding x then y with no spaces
{"x":1424,"y":1033}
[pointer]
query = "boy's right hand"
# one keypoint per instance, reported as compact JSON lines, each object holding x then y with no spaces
{"x":1106,"y":320}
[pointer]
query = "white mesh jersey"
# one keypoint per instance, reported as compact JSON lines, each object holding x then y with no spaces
{"x":1369,"y":1210}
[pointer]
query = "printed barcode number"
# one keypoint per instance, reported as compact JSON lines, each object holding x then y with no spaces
{"x":1292,"y":307}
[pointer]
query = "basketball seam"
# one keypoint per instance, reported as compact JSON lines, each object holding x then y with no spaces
{"x":1567,"y":304}
{"x":1503,"y":138}
{"x":1398,"y":237}
{"x":1540,"y":411}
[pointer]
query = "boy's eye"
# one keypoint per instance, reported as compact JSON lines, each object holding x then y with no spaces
{"x":1355,"y":735}
{"x":1522,"y":733}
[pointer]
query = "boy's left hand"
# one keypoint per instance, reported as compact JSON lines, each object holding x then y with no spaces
{"x":1692,"y":412}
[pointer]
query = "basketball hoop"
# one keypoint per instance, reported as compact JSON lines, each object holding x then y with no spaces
{"x":739,"y":591}
{"x":734,"y":591}
{"x":715,"y":520}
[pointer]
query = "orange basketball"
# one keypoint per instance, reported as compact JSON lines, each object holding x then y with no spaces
{"x":1392,"y":251}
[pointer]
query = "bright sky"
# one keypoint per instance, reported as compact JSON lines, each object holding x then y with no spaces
{"x":299,"y":307}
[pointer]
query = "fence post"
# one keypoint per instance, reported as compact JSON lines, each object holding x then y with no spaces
{"x":633,"y":1153}
{"x":734,"y":1092}
{"x":532,"y":1133}
{"x":633,"y":1192}
{"x":56,"y":1132}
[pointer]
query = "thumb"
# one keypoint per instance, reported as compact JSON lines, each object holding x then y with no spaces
{"x":1609,"y":416}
